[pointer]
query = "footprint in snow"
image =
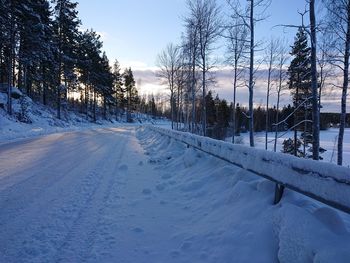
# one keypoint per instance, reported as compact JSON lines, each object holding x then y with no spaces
{"x":140,"y":163}
{"x":137,"y":230}
{"x":186,"y":245}
{"x":146,"y":191}
{"x":175,"y":253}
{"x":166,"y":176}
{"x":123,"y":167}
{"x":160,"y":187}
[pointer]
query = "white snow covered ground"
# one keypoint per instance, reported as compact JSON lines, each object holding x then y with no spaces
{"x":128,"y":194}
{"x":42,"y":120}
{"x":328,"y":140}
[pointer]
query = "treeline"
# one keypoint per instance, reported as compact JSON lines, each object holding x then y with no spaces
{"x":220,"y":118}
{"x":306,"y":69}
{"x":44,"y":54}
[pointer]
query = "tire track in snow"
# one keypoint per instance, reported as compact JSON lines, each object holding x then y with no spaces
{"x":41,"y":227}
{"x":35,"y":186}
{"x":81,"y":237}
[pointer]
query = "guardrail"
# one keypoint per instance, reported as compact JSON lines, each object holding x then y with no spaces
{"x":324,"y":182}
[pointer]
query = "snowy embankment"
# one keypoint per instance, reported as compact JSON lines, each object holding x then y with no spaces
{"x":132,"y":195}
{"x":32,"y":119}
{"x":328,"y":141}
{"x":326,"y":182}
{"x":229,"y":216}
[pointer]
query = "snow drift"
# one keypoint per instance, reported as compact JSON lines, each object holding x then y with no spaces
{"x":325,"y":182}
{"x":228,"y":215}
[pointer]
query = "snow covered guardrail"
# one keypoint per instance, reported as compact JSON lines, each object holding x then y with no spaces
{"x":327,"y":183}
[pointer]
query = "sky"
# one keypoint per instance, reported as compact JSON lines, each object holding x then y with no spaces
{"x":135,"y":31}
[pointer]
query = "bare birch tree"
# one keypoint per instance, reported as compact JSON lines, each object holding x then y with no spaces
{"x":339,"y":25}
{"x":271,"y":57}
{"x":236,"y":36}
{"x":204,"y":15}
{"x":191,"y":48}
{"x":168,"y":62}
{"x":250,"y":19}
{"x":282,"y":76}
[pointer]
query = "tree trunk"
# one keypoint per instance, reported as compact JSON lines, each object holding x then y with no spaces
{"x":87,"y":101}
{"x":234,"y":103}
{"x":204,"y":121}
{"x":193,"y":89}
{"x":94,"y":106}
{"x":116,"y":106}
{"x":277,"y":120}
{"x":345,"y":89}
{"x":251,"y":72}
{"x":267,"y":99}
{"x":172,"y":107}
{"x":296,"y":121}
{"x":10,"y":63}
{"x":314,"y":86}
{"x":104,"y":108}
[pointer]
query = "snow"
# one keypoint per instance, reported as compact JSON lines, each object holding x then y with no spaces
{"x":328,"y":141}
{"x":72,"y":191}
{"x":129,"y":194}
{"x":42,"y":120}
{"x":328,"y":182}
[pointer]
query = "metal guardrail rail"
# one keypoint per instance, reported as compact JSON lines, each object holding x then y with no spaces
{"x":324,"y":182}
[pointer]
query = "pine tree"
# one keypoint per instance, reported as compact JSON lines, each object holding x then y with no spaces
{"x":66,"y":26}
{"x":105,"y":85}
{"x":211,"y":111}
{"x":48,"y":49}
{"x":118,"y":88}
{"x":131,"y":92}
{"x":88,"y":59}
{"x":8,"y":42}
{"x":35,"y":39}
{"x":300,"y":86}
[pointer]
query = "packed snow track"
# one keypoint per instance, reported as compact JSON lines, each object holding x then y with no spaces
{"x":127,"y":194}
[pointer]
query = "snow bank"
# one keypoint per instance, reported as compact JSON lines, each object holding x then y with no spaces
{"x":228,"y":213}
{"x":31,"y":119}
{"x":324,"y":182}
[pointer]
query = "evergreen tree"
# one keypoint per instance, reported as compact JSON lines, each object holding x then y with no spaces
{"x":290,"y":147}
{"x":153,"y":107}
{"x":48,"y":48}
{"x":211,"y":111}
{"x":300,"y":86}
{"x":35,"y":44}
{"x":118,"y":88}
{"x":131,"y":92}
{"x":66,"y":25}
{"x":89,"y":56}
{"x":238,"y":120}
{"x":223,"y":114}
{"x":105,"y":85}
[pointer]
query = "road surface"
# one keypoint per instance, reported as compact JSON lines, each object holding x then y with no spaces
{"x":78,"y":197}
{"x":128,"y":195}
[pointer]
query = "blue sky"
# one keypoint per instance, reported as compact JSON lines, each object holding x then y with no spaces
{"x":135,"y":31}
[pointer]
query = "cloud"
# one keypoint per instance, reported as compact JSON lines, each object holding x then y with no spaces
{"x":137,"y":66}
{"x":149,"y":83}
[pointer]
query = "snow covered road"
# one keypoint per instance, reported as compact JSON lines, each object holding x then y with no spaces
{"x":62,"y":196}
{"x":129,"y":195}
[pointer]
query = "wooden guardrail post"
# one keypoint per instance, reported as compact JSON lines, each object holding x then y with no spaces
{"x":279,"y":189}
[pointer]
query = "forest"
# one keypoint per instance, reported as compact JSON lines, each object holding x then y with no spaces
{"x":45,"y":55}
